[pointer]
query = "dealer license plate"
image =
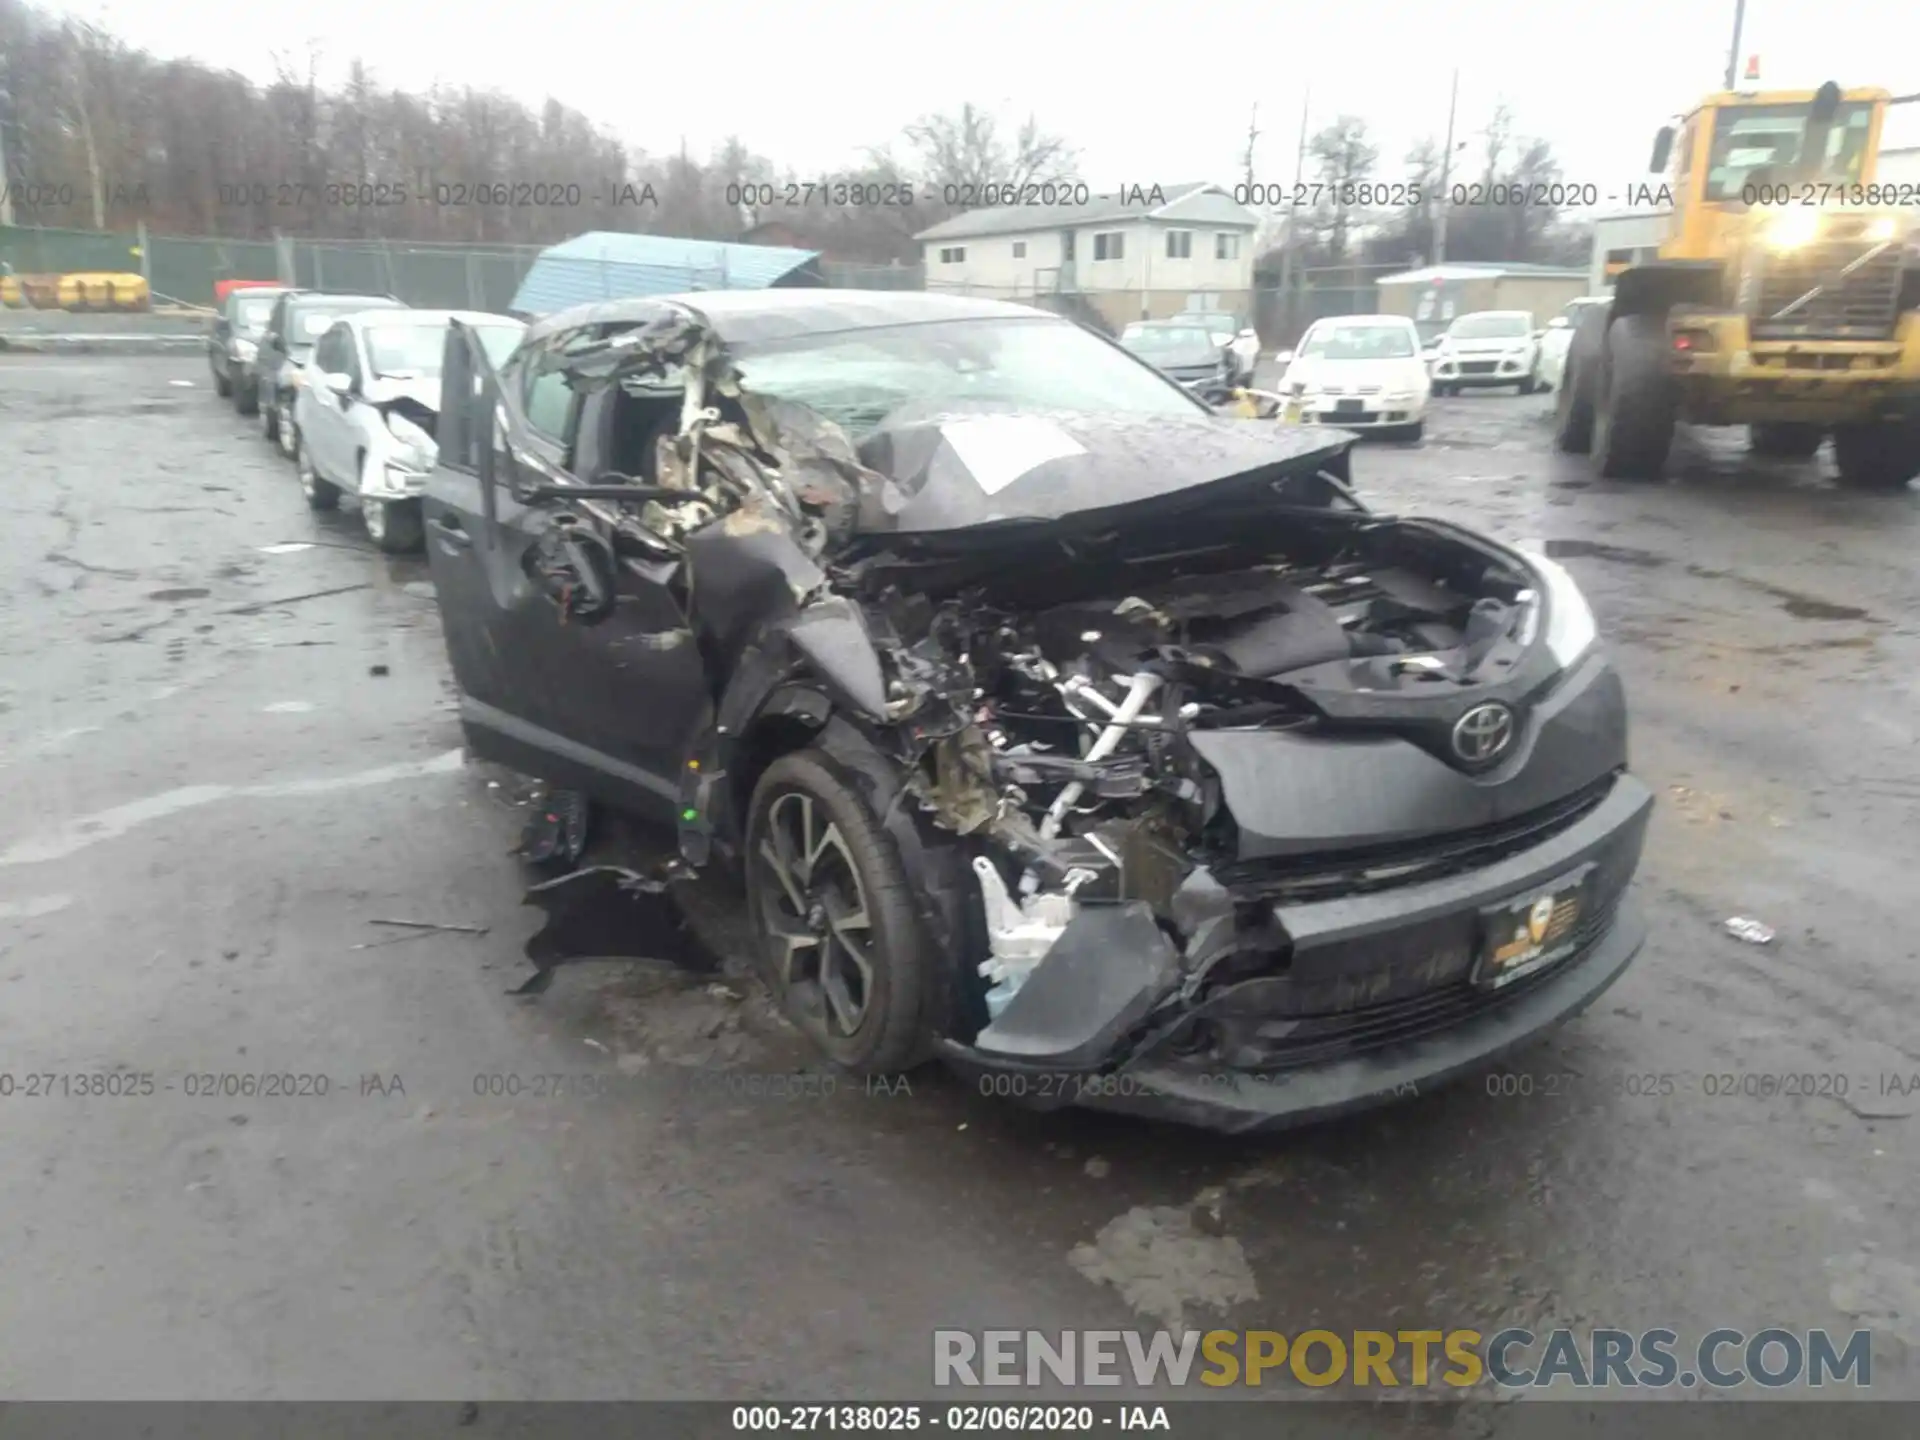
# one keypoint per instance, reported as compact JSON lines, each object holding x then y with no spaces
{"x":1527,"y":934}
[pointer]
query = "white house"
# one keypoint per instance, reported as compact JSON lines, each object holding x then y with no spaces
{"x":1140,"y":252}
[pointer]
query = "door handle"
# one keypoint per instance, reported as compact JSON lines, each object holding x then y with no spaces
{"x":452,"y":532}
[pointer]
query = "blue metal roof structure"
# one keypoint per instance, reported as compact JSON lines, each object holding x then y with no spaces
{"x":613,"y":265}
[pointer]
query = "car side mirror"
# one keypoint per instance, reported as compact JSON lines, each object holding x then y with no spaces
{"x":339,"y":382}
{"x":1662,"y":150}
{"x":1285,"y":357}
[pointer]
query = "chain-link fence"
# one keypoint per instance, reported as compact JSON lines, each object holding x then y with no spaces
{"x":184,"y":269}
{"x":35,"y":250}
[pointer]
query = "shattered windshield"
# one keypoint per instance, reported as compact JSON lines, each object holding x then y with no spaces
{"x":857,"y":378}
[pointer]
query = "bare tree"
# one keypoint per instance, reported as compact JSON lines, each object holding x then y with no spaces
{"x":1246,"y":156}
{"x":1344,"y":156}
{"x":965,"y":150}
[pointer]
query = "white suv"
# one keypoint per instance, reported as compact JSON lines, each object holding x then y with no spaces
{"x":1488,"y":347}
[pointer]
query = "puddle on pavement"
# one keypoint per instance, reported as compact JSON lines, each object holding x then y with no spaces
{"x":1797,"y":604}
{"x":1595,"y":550}
{"x":1803,"y":607}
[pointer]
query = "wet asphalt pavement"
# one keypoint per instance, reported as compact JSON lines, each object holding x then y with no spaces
{"x":212,"y":797}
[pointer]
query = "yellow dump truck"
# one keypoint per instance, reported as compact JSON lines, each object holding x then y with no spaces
{"x":1785,"y":296}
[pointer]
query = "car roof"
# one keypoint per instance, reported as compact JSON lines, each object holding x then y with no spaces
{"x":750,"y":316}
{"x":411,"y":316}
{"x":1476,"y":314}
{"x":372,"y":302}
{"x":1331,"y":320}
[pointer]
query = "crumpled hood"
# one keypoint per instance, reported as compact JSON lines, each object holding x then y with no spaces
{"x":958,"y":470}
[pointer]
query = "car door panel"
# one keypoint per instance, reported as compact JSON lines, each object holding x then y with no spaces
{"x":320,"y":410}
{"x":613,"y":707}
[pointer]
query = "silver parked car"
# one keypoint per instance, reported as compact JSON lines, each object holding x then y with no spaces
{"x":367,"y":408}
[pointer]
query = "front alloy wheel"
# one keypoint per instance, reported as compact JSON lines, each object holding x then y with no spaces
{"x":841,"y":944}
{"x":284,"y":425}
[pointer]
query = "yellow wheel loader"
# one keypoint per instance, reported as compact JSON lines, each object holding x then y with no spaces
{"x":1785,"y":297}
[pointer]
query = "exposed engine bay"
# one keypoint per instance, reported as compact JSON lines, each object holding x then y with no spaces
{"x":1072,"y":706}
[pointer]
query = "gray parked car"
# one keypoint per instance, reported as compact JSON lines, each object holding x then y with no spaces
{"x":234,"y":336}
{"x":299,"y":318}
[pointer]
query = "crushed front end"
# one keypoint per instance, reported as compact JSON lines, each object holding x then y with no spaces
{"x":1273,"y":813}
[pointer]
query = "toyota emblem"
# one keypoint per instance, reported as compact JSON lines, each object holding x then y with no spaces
{"x":1483,"y":733}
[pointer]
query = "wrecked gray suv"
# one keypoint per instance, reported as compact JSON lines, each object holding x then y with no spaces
{"x":1109,"y":749}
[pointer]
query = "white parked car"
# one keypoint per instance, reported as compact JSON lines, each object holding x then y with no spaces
{"x":1360,"y":372}
{"x":1559,"y":337}
{"x":365,"y":413}
{"x":1488,"y":347}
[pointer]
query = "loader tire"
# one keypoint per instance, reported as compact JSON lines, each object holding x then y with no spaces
{"x":1878,"y":457}
{"x":1635,"y":402}
{"x":1573,"y":408}
{"x":1785,"y":441}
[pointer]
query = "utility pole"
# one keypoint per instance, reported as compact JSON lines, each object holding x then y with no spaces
{"x":1286,"y":250}
{"x":1733,"y":51}
{"x":6,"y":119}
{"x":1446,"y":178}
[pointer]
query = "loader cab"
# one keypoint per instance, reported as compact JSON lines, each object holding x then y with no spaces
{"x":1740,"y":150}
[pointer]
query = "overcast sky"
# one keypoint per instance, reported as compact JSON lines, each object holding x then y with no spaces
{"x":1145,"y":92}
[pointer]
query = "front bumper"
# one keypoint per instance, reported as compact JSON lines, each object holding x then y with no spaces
{"x":1502,"y":370}
{"x":1372,"y":413}
{"x":1730,"y":378}
{"x":1405,"y":954}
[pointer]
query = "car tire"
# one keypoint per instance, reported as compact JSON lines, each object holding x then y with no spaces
{"x":1411,"y":434}
{"x":1785,"y":441}
{"x":817,"y":858}
{"x":1878,"y":457}
{"x":321,"y":494}
{"x":246,"y":397}
{"x":222,"y":386}
{"x":1573,"y":409}
{"x":287,"y":432}
{"x":1635,"y":402}
{"x":1526,"y":386}
{"x":269,"y":407}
